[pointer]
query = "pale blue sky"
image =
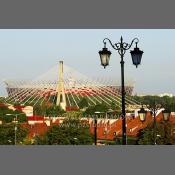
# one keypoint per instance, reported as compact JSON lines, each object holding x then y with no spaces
{"x":25,"y":54}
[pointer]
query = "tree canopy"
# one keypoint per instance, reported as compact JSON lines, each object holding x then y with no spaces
{"x":7,"y":134}
{"x":163,"y":134}
{"x":83,"y":103}
{"x":8,"y":115}
{"x":99,"y":107}
{"x":48,"y":110}
{"x":70,"y":132}
{"x":165,"y":101}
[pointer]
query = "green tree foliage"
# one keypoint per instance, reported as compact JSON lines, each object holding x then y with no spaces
{"x":48,"y":110}
{"x":73,"y":114}
{"x":115,"y":107}
{"x":54,"y":111}
{"x":165,"y":101}
{"x":9,"y":118}
{"x":163,"y":134}
{"x":7,"y":134}
{"x":99,"y":107}
{"x":83,"y":103}
{"x":71,"y":132}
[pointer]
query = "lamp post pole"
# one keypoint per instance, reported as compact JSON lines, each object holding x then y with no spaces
{"x":15,"y":129}
{"x":136,"y":54}
{"x":95,"y":125}
{"x":155,"y":130}
{"x":154,"y":109}
{"x":124,"y":141}
{"x":95,"y":130}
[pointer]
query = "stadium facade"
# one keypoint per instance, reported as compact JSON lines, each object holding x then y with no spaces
{"x":66,"y":88}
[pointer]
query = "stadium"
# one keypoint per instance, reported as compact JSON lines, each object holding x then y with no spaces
{"x":66,"y":87}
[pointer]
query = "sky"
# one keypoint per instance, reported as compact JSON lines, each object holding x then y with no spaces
{"x":28,"y":53}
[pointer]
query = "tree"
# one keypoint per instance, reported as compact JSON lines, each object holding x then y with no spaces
{"x":53,"y":111}
{"x":115,"y":107}
{"x":48,"y":110}
{"x":73,"y":114}
{"x":99,"y":107}
{"x":9,"y":118}
{"x":7,"y":134}
{"x":163,"y":134}
{"x":83,"y":103}
{"x":165,"y":101}
{"x":71,"y":132}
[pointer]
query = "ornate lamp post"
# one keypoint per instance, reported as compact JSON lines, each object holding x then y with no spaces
{"x":136,"y":55}
{"x":166,"y":115}
{"x":154,"y":109}
{"x":96,"y":116}
{"x":142,"y":114}
{"x":15,"y":121}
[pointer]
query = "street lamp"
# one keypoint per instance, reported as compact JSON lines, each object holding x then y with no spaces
{"x":154,"y":109}
{"x":15,"y":120}
{"x":166,"y":115}
{"x":136,"y":55}
{"x":95,"y":126}
{"x":142,"y":114}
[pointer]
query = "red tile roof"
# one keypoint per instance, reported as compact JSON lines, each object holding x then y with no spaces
{"x":105,"y":131}
{"x":110,"y":131}
{"x":35,"y":118}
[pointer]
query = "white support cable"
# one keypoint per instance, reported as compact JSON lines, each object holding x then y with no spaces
{"x":80,"y":83}
{"x":100,"y":86}
{"x":97,"y":93}
{"x":68,"y":100}
{"x":71,"y":94}
{"x":76,"y":93}
{"x":80,"y":94}
{"x":36,"y":90}
{"x":14,"y":92}
{"x":128,"y":99}
{"x":42,"y":101}
{"x":44,"y":92}
{"x":40,"y":98}
{"x":75,"y":86}
{"x":51,"y":91}
{"x":33,"y":91}
{"x":55,"y":93}
{"x":28,"y":92}
{"x":41,"y":95}
{"x":87,"y":86}
{"x":16,"y":96}
{"x":94,"y":91}
{"x":39,"y":78}
{"x":109,"y":97}
{"x":91,"y":96}
{"x":31,"y":95}
{"x":113,"y":94}
{"x":23,"y":89}
{"x":113,"y":91}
